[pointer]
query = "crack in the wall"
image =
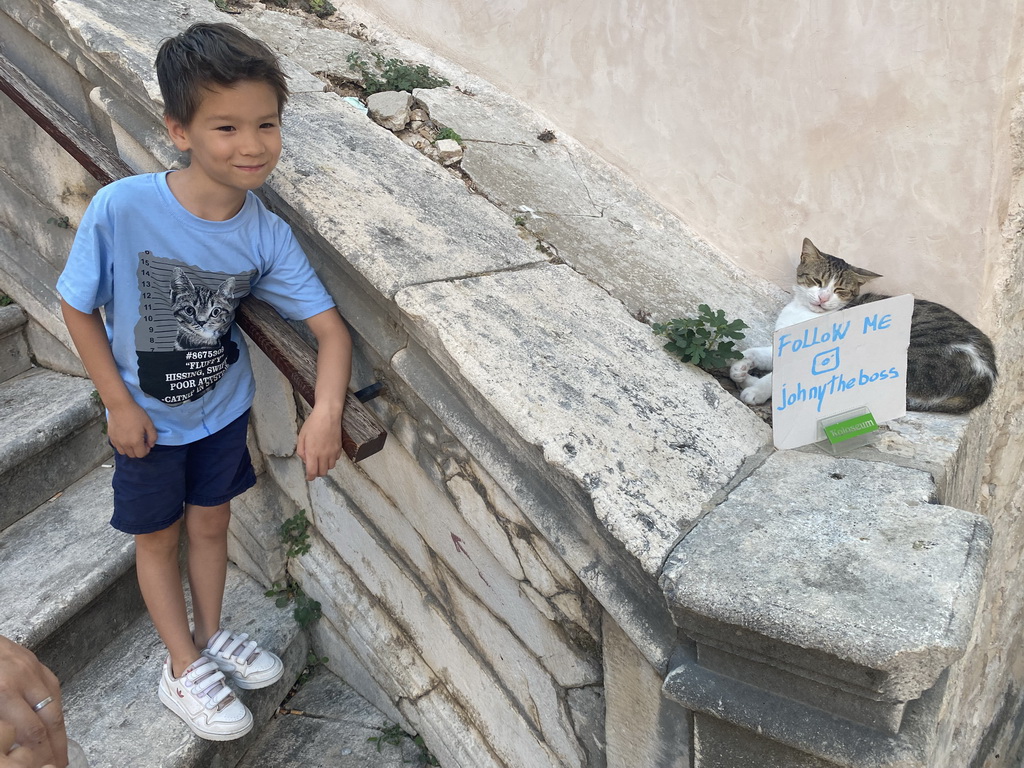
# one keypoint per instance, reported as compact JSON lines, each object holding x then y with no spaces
{"x":747,"y":467}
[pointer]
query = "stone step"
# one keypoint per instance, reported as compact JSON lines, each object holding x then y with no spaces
{"x":52,"y":435}
{"x":112,"y":709}
{"x":328,"y":725}
{"x":14,"y":354}
{"x":67,"y":576}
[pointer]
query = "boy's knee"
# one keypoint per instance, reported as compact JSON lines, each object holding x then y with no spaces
{"x":207,"y":521}
{"x":164,"y":541}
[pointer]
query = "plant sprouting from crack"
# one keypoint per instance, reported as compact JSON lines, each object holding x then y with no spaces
{"x":307,"y":610}
{"x":312,"y":662}
{"x":707,"y":341}
{"x":295,"y":534}
{"x":393,"y":74}
{"x":393,"y":735}
{"x":448,"y":133}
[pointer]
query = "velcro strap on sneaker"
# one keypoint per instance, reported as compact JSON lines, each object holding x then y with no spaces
{"x":230,"y":645}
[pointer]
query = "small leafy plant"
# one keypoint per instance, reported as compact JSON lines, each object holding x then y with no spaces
{"x":395,"y":74}
{"x":5,"y":300}
{"x":307,"y":610}
{"x":448,"y":133}
{"x":295,"y":534}
{"x":312,"y":662}
{"x":319,"y":8}
{"x":394,"y":734}
{"x":707,"y":341}
{"x":63,"y":222}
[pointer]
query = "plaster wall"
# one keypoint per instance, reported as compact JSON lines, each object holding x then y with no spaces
{"x":877,"y":129}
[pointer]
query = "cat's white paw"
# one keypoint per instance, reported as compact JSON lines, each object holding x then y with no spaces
{"x":751,"y":396}
{"x":756,"y":395}
{"x":740,"y":371}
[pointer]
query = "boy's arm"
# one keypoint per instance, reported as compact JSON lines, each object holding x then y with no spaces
{"x":129,"y":428}
{"x":319,"y":444}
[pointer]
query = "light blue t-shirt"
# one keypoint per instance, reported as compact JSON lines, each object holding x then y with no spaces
{"x":170,"y":283}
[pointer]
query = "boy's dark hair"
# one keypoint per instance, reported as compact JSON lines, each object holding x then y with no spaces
{"x":206,"y":55}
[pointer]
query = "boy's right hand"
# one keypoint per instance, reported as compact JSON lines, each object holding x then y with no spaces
{"x":130,"y":430}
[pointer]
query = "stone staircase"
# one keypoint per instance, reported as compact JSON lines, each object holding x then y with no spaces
{"x":70,"y":592}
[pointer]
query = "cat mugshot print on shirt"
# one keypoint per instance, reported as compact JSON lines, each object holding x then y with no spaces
{"x":183,"y":337}
{"x":951,"y":364}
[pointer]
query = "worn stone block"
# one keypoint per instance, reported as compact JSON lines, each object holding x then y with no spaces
{"x":643,"y":726}
{"x":290,"y":475}
{"x":453,"y":740}
{"x":600,"y":221}
{"x":50,"y":352}
{"x":333,"y":729}
{"x":358,"y":200}
{"x":424,"y":526}
{"x":312,"y":48}
{"x":559,"y":510}
{"x":402,"y":593}
{"x":720,"y":745}
{"x":255,"y":542}
{"x":659,"y":439}
{"x":587,"y":709}
{"x":390,"y":109}
{"x":521,"y":671}
{"x":273,"y":408}
{"x":837,"y":569}
{"x":52,"y":435}
{"x":14,"y":356}
{"x":355,"y":614}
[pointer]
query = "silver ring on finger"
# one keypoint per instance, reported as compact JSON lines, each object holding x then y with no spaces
{"x":41,"y":704}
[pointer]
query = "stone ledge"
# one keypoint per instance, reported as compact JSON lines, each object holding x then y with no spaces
{"x":848,"y":579}
{"x":776,"y":717}
{"x":658,"y":440}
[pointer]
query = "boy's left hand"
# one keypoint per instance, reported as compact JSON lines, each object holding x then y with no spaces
{"x":319,"y":443}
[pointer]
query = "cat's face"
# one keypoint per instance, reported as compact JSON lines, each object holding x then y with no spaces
{"x":826,"y":283}
{"x":202,"y":314}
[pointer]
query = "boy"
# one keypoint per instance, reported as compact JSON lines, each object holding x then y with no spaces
{"x":169,"y":256}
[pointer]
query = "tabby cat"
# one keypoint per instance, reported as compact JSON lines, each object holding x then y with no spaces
{"x":951,"y":365}
{"x":203,"y":315}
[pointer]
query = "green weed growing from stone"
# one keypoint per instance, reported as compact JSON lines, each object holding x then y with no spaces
{"x":393,"y":735}
{"x":295,"y":534}
{"x":448,"y":133}
{"x":5,"y":300}
{"x":307,"y":610}
{"x":394,"y":74}
{"x":312,"y":662}
{"x":707,"y":341}
{"x":319,"y":8}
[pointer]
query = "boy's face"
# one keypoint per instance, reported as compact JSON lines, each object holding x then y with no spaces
{"x":234,"y":138}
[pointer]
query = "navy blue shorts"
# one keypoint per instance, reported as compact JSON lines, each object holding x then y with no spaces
{"x":150,"y":493}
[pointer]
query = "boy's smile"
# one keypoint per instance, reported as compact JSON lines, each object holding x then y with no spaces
{"x":235,"y":142}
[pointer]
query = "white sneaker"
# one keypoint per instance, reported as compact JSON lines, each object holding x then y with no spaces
{"x":201,"y":697}
{"x":243,"y":661}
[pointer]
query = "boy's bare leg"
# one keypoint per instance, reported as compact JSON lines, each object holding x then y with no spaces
{"x":156,"y":560}
{"x":207,"y":531}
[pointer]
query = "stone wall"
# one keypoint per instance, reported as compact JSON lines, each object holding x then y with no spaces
{"x":549,"y":538}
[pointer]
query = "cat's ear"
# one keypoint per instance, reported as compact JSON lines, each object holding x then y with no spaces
{"x":809,"y":253}
{"x":227,"y":289}
{"x":180,"y":283}
{"x":863,"y":275}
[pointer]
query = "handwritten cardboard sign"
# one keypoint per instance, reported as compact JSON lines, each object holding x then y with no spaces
{"x":837,"y":363}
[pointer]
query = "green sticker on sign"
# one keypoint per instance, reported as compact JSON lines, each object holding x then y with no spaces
{"x":848,"y":428}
